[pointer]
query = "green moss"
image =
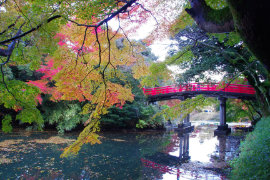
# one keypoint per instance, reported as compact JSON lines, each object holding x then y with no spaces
{"x":220,"y":4}
{"x":218,"y":16}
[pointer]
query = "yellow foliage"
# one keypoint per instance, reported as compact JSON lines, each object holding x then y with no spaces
{"x":182,"y":109}
{"x":88,"y":135}
{"x":87,"y":63}
{"x":181,"y":22}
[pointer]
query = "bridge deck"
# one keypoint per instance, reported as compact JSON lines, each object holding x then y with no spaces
{"x":239,"y":91}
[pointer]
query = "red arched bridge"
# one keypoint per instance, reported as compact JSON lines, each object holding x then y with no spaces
{"x":239,"y":91}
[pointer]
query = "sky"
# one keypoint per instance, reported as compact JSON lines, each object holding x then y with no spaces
{"x":159,"y":48}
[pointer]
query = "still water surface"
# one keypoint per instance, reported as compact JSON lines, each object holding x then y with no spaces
{"x":133,"y":155}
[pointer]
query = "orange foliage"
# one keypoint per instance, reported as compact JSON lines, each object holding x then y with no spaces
{"x":82,"y":69}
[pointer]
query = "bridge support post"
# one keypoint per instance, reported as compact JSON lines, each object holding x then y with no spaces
{"x":223,"y":127}
{"x":185,"y":126}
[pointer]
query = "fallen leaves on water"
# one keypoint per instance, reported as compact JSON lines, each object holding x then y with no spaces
{"x":119,"y":140}
{"x":53,"y":140}
{"x":7,"y":143}
{"x":5,"y":160}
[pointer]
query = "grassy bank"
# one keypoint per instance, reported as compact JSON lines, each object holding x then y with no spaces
{"x":254,"y":159}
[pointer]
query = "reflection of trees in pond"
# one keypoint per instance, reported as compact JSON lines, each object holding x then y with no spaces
{"x":151,"y":143}
{"x":111,"y":159}
{"x":118,"y":156}
{"x":173,"y":145}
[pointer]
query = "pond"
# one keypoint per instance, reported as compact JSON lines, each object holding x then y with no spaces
{"x":122,"y":155}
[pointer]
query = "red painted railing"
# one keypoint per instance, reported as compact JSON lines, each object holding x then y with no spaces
{"x":233,"y":88}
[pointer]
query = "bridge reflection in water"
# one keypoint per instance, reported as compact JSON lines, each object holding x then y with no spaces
{"x":166,"y":163}
{"x":169,"y":164}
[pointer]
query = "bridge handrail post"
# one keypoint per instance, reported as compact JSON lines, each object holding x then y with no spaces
{"x":167,"y":90}
{"x":154,"y":91}
{"x":240,"y":89}
{"x":180,"y":88}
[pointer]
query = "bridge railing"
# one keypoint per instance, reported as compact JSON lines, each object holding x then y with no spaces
{"x":233,"y":88}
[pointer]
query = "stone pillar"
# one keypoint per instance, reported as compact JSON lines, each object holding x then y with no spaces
{"x":223,"y":127}
{"x":222,"y":114}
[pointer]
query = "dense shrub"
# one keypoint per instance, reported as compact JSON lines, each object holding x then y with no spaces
{"x":147,"y":120}
{"x":65,"y":115}
{"x":125,"y":117}
{"x":254,"y":159}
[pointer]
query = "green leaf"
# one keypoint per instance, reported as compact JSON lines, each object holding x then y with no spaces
{"x":6,"y":124}
{"x":30,"y":115}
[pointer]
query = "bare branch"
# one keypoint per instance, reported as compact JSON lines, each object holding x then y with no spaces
{"x":7,"y":52}
{"x":3,"y":2}
{"x":111,"y":16}
{"x":80,"y":51}
{"x":148,"y":12}
{"x":31,"y":30}
{"x":10,"y":26}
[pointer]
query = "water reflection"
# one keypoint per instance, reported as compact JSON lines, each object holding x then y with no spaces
{"x":147,"y":155}
{"x":199,"y":155}
{"x":184,"y":147}
{"x":222,"y":147}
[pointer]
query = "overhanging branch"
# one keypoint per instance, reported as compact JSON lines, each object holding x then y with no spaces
{"x":31,"y":30}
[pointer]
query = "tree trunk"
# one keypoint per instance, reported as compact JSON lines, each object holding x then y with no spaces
{"x":248,"y":17}
{"x":251,"y":19}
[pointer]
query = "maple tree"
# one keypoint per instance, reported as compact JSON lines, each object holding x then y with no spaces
{"x":80,"y":57}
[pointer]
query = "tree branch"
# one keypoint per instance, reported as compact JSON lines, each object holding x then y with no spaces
{"x":31,"y":30}
{"x":7,"y":52}
{"x":3,"y":3}
{"x":111,"y":16}
{"x":10,"y":26}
